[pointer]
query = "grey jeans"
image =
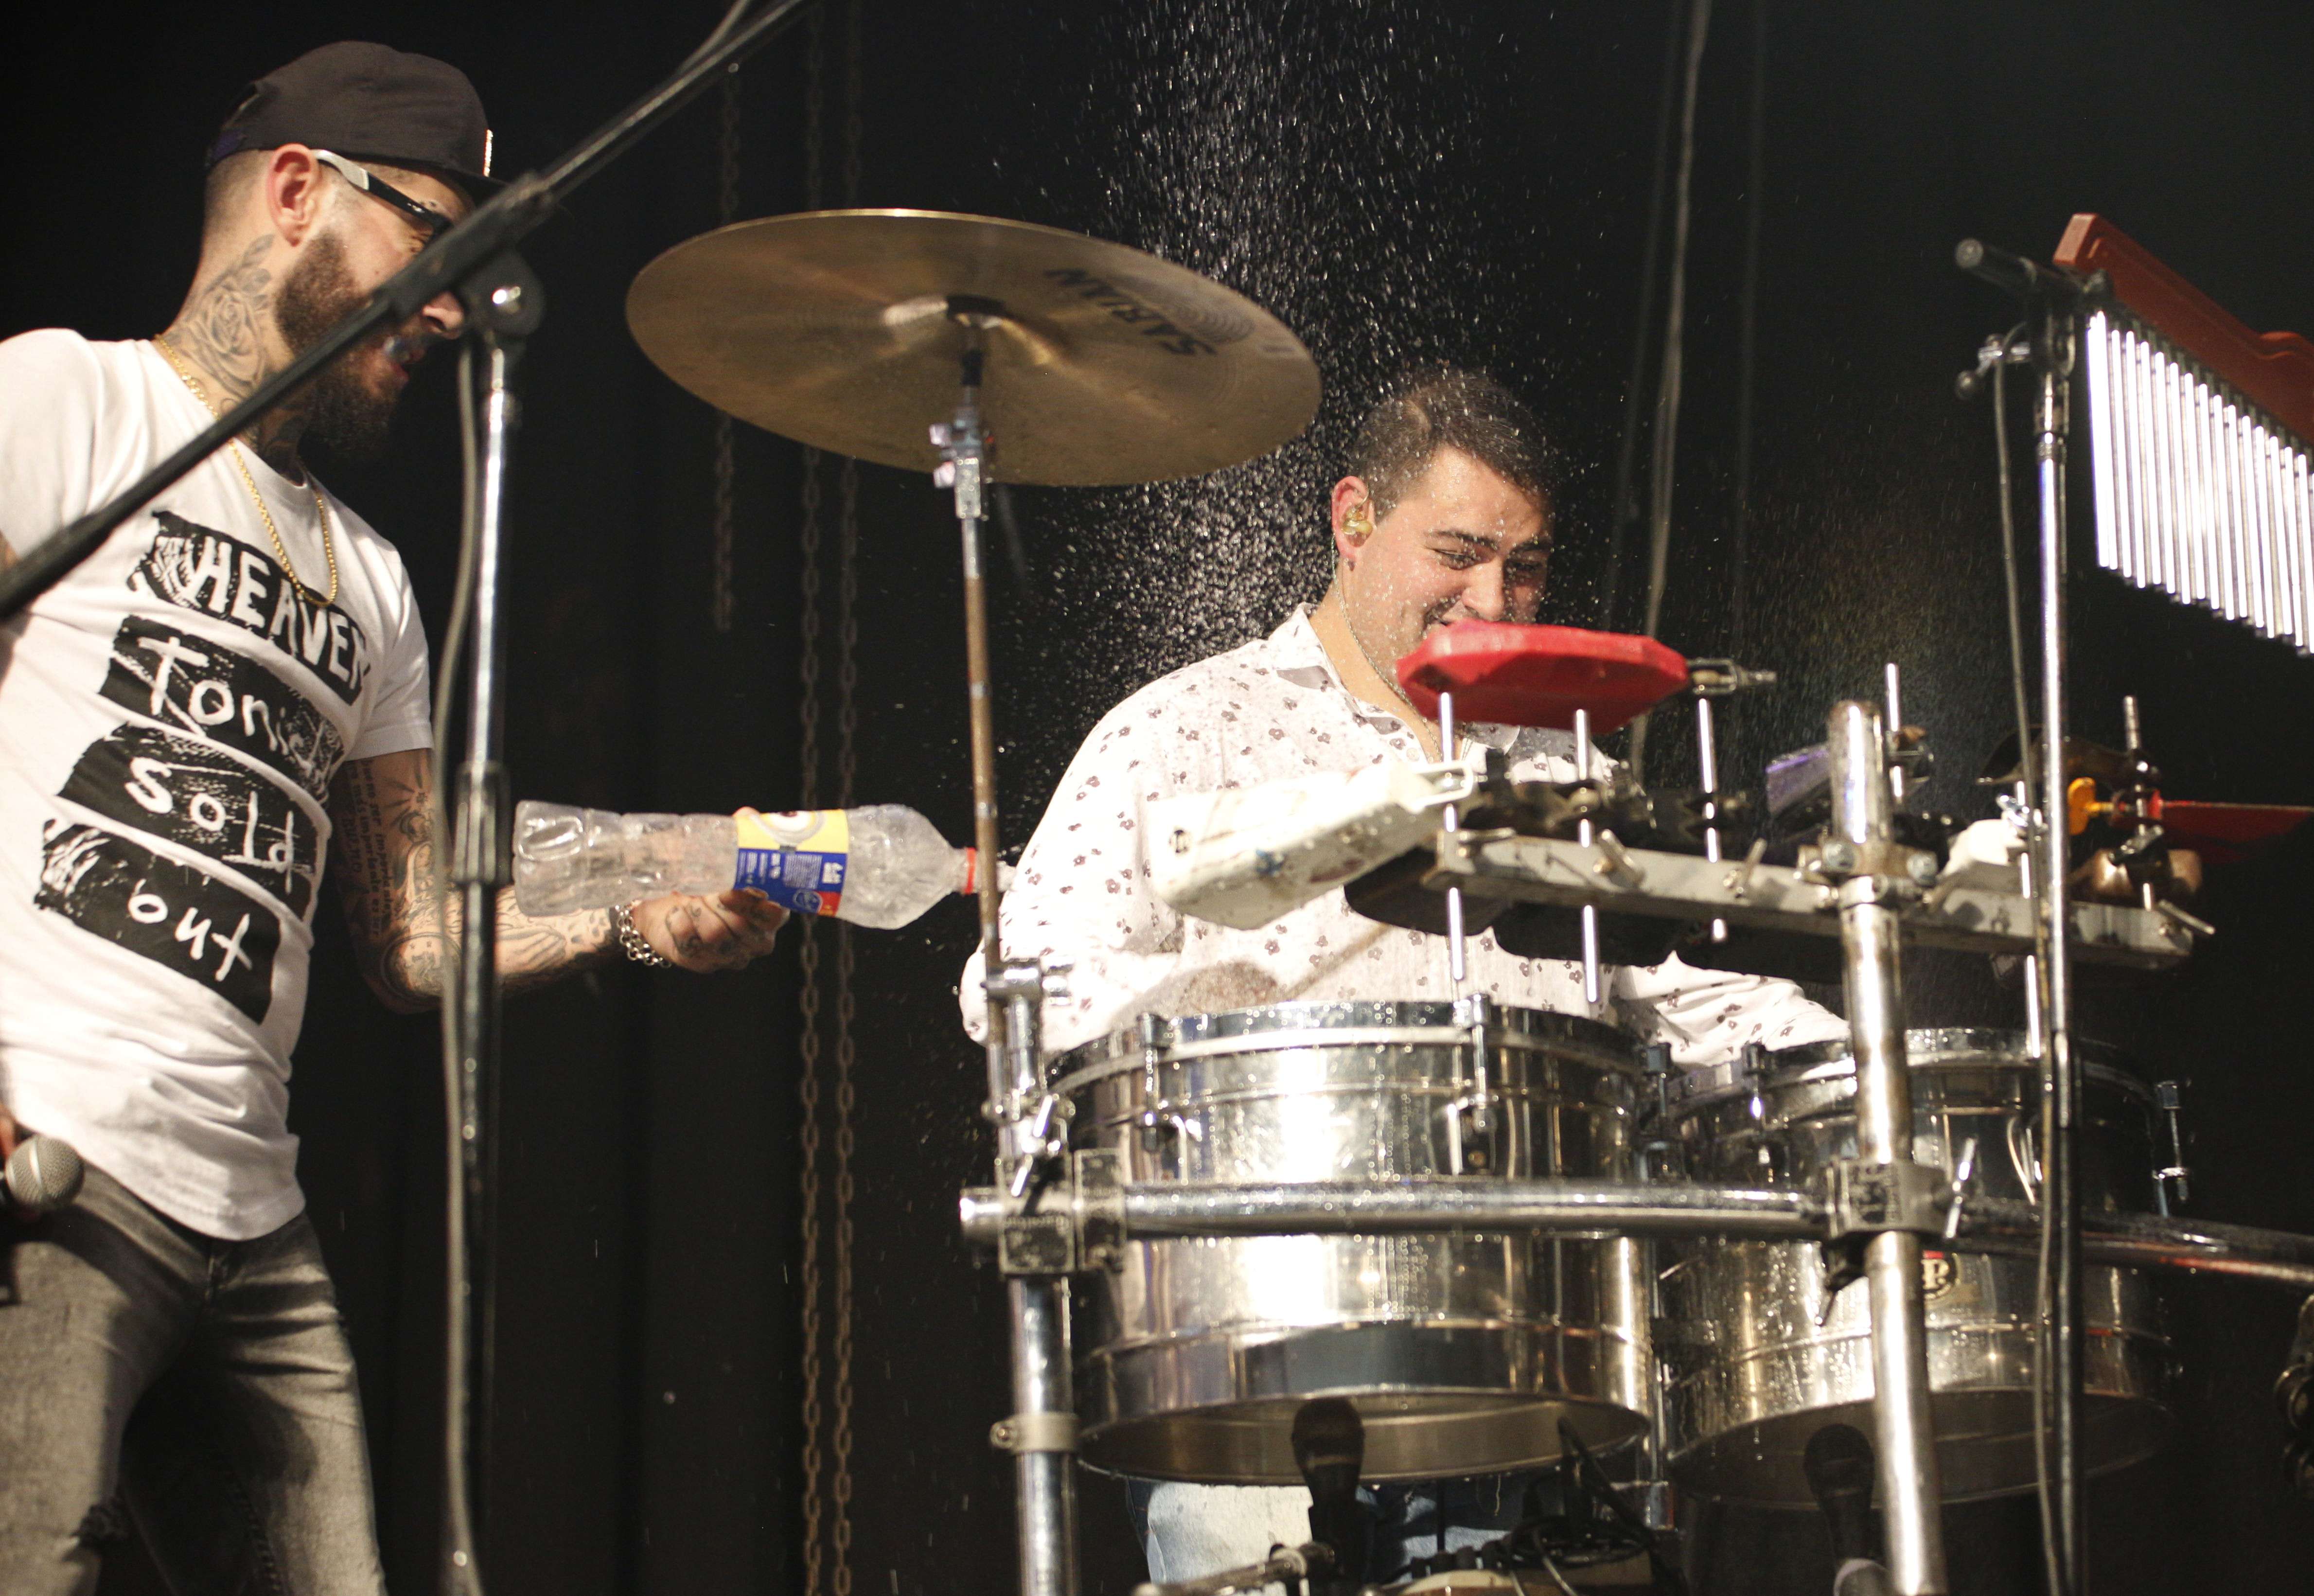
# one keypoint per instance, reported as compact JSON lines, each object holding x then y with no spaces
{"x":202,"y":1391}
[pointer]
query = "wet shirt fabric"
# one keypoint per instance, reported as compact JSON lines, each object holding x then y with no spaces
{"x":1266,"y":710}
{"x":170,"y":715}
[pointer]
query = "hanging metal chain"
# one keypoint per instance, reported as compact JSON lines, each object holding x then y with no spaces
{"x":847,"y":679}
{"x":807,"y":1086}
{"x":847,"y":768}
{"x":726,"y":210}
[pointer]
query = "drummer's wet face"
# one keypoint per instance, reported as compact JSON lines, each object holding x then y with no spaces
{"x":1462,"y":543}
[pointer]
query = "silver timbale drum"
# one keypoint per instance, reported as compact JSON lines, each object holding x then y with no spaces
{"x":1463,"y":1352}
{"x":1751,"y":1374}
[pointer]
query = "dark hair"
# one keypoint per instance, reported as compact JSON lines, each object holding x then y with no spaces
{"x":1443,"y":407}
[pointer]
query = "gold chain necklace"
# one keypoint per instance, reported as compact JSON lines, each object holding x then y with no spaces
{"x":321,"y":505}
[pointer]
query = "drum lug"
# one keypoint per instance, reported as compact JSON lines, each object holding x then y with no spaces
{"x":1475,"y":1154}
{"x":1963,"y":1172}
{"x":1161,"y":1123}
{"x":2166,"y":1093}
{"x":1661,"y":1157}
{"x":1475,"y":1014}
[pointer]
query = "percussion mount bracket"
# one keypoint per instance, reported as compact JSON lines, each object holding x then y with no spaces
{"x":1861,"y":1199}
{"x":1081,"y":1228}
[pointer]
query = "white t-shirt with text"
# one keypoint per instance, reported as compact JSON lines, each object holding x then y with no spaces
{"x":170,"y":715}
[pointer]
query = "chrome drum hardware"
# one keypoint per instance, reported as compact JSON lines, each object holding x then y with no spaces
{"x":1749,"y":1372}
{"x":1463,"y":1352}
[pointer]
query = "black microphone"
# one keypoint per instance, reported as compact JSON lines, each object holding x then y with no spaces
{"x":1330,"y":1448}
{"x":40,"y":1176}
{"x":1839,"y":1468}
{"x":2023,"y":278}
{"x":1998,"y":266}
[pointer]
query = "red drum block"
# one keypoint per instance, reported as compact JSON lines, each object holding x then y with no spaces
{"x":1509,"y":674}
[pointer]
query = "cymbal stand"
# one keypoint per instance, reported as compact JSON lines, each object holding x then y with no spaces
{"x":1882,"y":1196}
{"x":1031,"y":1130}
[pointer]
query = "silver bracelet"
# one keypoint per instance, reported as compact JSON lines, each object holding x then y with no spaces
{"x":631,"y":941}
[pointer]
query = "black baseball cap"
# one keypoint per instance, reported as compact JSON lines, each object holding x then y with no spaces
{"x":367,"y":102}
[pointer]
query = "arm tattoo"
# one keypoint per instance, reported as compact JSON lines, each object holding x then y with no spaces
{"x":383,"y":846}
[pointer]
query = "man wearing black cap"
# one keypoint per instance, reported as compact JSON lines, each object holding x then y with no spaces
{"x":234,"y":684}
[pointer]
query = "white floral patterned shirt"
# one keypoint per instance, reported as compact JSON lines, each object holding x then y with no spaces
{"x":1272,"y":708}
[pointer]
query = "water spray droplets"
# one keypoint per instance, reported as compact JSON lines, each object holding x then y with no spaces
{"x":1321,"y":161}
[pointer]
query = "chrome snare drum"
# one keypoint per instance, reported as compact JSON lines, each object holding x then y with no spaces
{"x":1461,"y":1352}
{"x":1749,"y":1373}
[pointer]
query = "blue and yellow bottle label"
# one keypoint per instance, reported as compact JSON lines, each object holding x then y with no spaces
{"x":797,"y":858}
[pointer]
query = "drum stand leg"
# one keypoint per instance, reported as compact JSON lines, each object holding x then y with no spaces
{"x":1911,"y":1489}
{"x":1043,"y":1465}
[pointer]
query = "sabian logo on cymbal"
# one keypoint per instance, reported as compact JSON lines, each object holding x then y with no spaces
{"x":1164,"y":330}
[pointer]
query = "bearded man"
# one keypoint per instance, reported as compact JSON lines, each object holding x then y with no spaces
{"x":234,"y":684}
{"x":1445,"y":515}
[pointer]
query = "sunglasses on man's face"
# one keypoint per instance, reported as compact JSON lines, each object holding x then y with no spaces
{"x":432,"y":222}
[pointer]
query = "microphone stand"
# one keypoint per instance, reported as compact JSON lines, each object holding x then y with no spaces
{"x":2052,"y":299}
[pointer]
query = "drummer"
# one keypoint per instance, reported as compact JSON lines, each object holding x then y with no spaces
{"x":1446,"y":514}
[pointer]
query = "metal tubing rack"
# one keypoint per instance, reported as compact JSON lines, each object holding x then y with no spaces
{"x":1780,"y":897}
{"x":1172,"y":1211}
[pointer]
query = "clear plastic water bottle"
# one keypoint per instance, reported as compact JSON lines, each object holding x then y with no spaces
{"x":879,"y":866}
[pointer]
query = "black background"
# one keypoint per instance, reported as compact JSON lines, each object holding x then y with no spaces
{"x":1397,"y":180}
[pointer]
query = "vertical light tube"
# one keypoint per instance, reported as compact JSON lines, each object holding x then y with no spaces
{"x":2111,"y":553}
{"x":2128,"y":447}
{"x":2302,"y":511}
{"x":2207,"y":524}
{"x":2276,"y":524}
{"x":1584,"y":833}
{"x":1457,"y":961}
{"x":2296,"y":535}
{"x":2299,"y":491}
{"x":1707,"y":757}
{"x":2167,"y":456}
{"x":2250,"y":548}
{"x":2142,"y":448}
{"x":2197,"y":512}
{"x":2249,"y":477}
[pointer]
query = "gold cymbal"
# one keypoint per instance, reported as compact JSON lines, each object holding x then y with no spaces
{"x":1103,"y":365}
